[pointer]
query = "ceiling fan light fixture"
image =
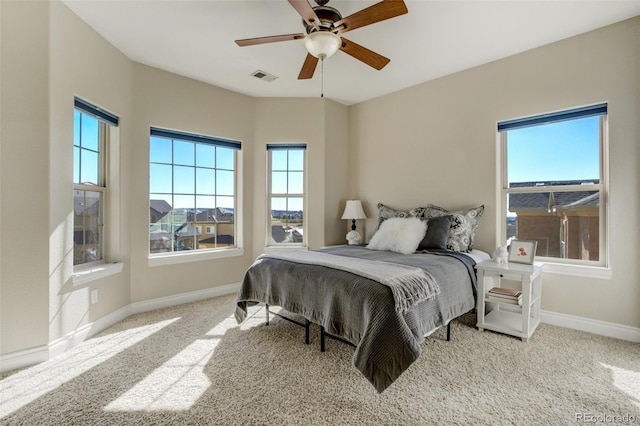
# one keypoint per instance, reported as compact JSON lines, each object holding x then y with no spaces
{"x":322,"y":44}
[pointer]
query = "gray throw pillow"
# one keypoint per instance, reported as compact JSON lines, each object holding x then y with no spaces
{"x":437,"y":234}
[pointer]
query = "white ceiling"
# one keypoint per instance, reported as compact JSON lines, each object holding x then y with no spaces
{"x":196,"y":39}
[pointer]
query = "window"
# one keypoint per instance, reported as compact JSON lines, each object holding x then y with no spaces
{"x":192,"y":187}
{"x":554,"y":183}
{"x":286,"y":194}
{"x":90,"y":135}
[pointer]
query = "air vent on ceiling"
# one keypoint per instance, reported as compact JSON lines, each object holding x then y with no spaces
{"x":262,"y":75}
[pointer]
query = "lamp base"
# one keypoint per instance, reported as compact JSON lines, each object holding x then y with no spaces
{"x":353,"y":237}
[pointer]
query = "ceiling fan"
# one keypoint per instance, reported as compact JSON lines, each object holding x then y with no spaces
{"x":324,"y":26}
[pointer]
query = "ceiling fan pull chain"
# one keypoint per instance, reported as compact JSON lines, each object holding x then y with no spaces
{"x":322,"y":77}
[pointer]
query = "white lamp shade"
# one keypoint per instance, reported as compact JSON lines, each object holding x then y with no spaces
{"x":353,"y":210}
{"x":322,"y":44}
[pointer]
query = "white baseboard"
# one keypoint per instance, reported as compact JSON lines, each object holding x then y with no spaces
{"x":193,"y":296}
{"x":609,"y":329}
{"x":31,"y":356}
{"x":24,"y":358}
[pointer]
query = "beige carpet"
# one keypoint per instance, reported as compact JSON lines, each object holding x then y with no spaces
{"x":192,"y":364}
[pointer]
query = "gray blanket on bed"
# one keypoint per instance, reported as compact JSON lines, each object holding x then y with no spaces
{"x":361,"y":310}
{"x":408,"y":284}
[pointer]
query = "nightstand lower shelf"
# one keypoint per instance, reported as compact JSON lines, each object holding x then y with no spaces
{"x":509,"y":323}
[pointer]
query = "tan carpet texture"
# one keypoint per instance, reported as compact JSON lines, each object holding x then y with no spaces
{"x":193,"y":365}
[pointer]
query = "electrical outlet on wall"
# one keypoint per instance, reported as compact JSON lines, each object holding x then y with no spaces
{"x":94,"y":296}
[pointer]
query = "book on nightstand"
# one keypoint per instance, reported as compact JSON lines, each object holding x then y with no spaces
{"x":512,"y":301}
{"x":505,"y":295}
{"x":501,"y":291}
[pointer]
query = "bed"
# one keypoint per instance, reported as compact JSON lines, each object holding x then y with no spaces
{"x":358,"y":307}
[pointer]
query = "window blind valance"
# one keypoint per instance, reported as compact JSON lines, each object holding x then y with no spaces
{"x":571,"y":114}
{"x":97,"y":112}
{"x":278,"y":146}
{"x":192,"y":137}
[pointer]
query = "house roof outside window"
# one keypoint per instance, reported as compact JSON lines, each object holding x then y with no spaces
{"x":565,"y":200}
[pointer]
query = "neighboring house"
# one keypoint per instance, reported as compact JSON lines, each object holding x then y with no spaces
{"x":221,"y":240}
{"x":287,"y":226}
{"x":295,"y":235}
{"x":565,"y":224}
{"x":216,"y":226}
{"x":189,"y":229}
{"x":278,"y":234}
{"x":282,"y":234}
{"x":86,"y":232}
{"x":160,"y":232}
{"x":157,"y":210}
{"x":159,"y":240}
{"x":186,"y":237}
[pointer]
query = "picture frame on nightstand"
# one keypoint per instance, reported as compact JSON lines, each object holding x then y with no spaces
{"x":521,"y":251}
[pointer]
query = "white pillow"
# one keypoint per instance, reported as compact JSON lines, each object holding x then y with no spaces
{"x":398,"y":234}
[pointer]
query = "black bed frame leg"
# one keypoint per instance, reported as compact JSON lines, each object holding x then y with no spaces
{"x":449,"y":332}
{"x":307,"y":326}
{"x":267,"y":309}
{"x":322,"y":338}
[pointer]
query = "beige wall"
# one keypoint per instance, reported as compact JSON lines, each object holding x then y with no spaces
{"x":336,"y":172}
{"x":49,"y":56}
{"x":436,"y":143}
{"x":24,"y":168}
{"x":166,"y":100}
{"x":322,"y":125}
{"x":280,"y":120}
{"x":83,"y":64}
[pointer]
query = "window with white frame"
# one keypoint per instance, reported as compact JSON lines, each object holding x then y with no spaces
{"x":90,"y":135}
{"x":286,"y":194}
{"x":192,"y":188}
{"x":554,"y":184}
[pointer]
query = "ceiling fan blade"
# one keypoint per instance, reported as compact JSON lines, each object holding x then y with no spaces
{"x":308,"y":68}
{"x":306,"y":11}
{"x":270,"y":39}
{"x":386,"y":9}
{"x":363,"y":54}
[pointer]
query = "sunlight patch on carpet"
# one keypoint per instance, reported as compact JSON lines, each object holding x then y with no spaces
{"x":179,"y":382}
{"x":24,"y":387}
{"x":627,"y":381}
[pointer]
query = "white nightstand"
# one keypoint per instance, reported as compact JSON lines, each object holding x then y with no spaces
{"x":519,"y":321}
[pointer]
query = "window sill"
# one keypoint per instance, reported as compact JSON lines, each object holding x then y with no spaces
{"x":194,"y":256}
{"x":84,"y":276}
{"x":284,"y":248}
{"x":596,"y":272}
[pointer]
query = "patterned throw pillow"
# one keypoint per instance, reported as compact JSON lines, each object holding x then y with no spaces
{"x":385,"y":213}
{"x":463,"y":228}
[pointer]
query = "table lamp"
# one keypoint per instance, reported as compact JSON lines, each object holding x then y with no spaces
{"x":353,"y":210}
